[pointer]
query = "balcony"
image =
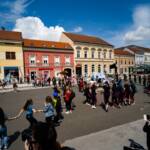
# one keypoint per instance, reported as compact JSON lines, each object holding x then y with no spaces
{"x":48,"y":65}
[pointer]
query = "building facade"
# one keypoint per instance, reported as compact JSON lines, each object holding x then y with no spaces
{"x":43,"y":59}
{"x":91,"y":54}
{"x":11,"y":55}
{"x":125,"y":61}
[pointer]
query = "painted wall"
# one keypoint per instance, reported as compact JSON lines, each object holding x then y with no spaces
{"x":40,"y":68}
{"x":124,"y":62}
{"x":17,"y":62}
{"x":96,"y":61}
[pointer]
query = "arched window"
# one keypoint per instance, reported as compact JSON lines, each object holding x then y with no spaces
{"x":85,"y":54}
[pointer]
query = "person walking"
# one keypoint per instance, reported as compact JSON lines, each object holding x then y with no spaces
{"x":29,"y":110}
{"x":132,"y":92}
{"x":58,"y":105}
{"x":126,"y":93}
{"x":87,"y":94}
{"x":49,"y":111}
{"x":93,"y":96}
{"x":67,"y":96}
{"x":114,"y":94}
{"x":146,"y":129}
{"x":106,"y":95}
{"x":4,"y":140}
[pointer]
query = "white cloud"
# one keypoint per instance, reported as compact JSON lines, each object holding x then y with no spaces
{"x":14,"y":9}
{"x":78,"y":29}
{"x":140,"y":30}
{"x":34,"y":28}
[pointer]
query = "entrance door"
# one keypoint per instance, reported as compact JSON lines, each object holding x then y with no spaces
{"x":33,"y":75}
{"x":78,"y":71}
{"x":68,"y":72}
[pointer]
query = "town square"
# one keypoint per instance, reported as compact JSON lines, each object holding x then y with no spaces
{"x":83,"y":86}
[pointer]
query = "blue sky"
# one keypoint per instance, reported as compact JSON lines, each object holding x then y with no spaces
{"x":114,"y":20}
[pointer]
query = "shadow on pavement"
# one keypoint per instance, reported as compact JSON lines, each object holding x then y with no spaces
{"x":13,"y":137}
{"x":133,"y":146}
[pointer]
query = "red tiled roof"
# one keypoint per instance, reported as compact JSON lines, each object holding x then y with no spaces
{"x":122,"y":52}
{"x":10,"y":35}
{"x":86,"y":39}
{"x":46,"y":44}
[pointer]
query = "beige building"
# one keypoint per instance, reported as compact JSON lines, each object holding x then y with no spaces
{"x":125,"y":61}
{"x":11,"y":55}
{"x":91,"y":54}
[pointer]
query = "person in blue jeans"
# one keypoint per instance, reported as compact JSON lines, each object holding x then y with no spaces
{"x":29,"y":110}
{"x":4,"y":140}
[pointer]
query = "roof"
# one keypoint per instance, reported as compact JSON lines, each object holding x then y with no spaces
{"x":136,"y":49}
{"x":122,"y":52}
{"x":86,"y":39}
{"x":46,"y":44}
{"x":10,"y":35}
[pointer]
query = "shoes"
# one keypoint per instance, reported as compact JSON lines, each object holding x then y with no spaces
{"x":93,"y":107}
{"x":87,"y":104}
{"x":106,"y":108}
{"x":5,"y":147}
{"x":67,"y":112}
{"x":70,"y":111}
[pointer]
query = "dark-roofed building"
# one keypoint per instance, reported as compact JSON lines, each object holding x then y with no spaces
{"x":11,"y":55}
{"x":44,"y":59}
{"x":91,"y":54}
{"x":142,"y":54}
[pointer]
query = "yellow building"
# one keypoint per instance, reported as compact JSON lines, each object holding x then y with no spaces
{"x":91,"y":54}
{"x":11,"y":55}
{"x":125,"y":61}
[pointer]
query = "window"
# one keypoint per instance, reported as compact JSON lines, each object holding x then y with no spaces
{"x":104,"y":68}
{"x":129,"y":62}
{"x":99,"y":68}
{"x":10,"y":55}
{"x":93,"y":68}
{"x":125,"y":61}
{"x":45,"y":60}
{"x":121,"y":62}
{"x":86,"y":70}
{"x":99,"y":54}
{"x":67,"y":60}
{"x":57,"y":60}
{"x":78,"y":53}
{"x":85,"y":54}
{"x":104,"y":54}
{"x":32,"y":60}
{"x":93,"y":53}
{"x":110,"y":54}
{"x":125,"y":69}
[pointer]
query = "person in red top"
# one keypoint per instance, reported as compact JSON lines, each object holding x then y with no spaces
{"x":67,"y":99}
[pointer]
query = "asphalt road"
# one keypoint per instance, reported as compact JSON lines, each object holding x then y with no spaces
{"x":82,"y":121}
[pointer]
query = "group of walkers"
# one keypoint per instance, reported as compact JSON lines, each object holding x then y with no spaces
{"x":121,"y":93}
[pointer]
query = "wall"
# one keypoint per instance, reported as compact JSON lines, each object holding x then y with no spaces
{"x":17,"y":62}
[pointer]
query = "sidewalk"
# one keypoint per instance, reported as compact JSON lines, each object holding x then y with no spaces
{"x":21,"y":87}
{"x":111,"y":139}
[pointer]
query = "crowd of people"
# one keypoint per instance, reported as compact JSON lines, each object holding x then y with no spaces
{"x":116,"y":92}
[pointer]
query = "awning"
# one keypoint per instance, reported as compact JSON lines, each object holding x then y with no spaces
{"x":11,"y":68}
